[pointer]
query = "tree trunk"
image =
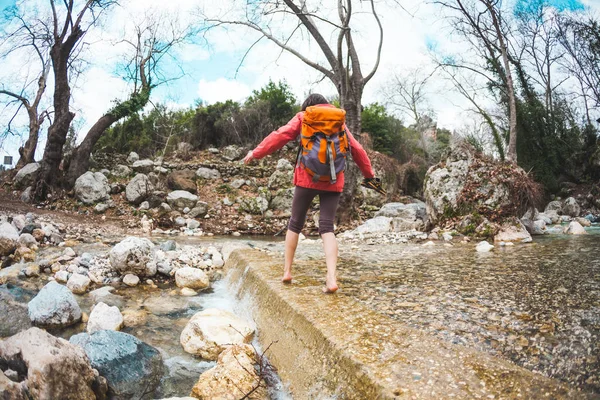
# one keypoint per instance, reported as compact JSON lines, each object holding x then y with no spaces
{"x":57,"y":132}
{"x":27,"y":152}
{"x":80,"y":161}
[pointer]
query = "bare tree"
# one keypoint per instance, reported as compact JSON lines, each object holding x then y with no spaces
{"x":154,"y":37}
{"x":67,"y":30}
{"x":28,"y":35}
{"x":407,"y":93}
{"x":481,"y":22}
{"x":342,"y":64}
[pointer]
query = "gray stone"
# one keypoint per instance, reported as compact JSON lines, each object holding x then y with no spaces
{"x":131,"y":280}
{"x":254,"y":205}
{"x":571,"y":207}
{"x":237,"y":183}
{"x":143,"y":166}
{"x":133,"y":157}
{"x":26,"y":196}
{"x":8,"y":238}
{"x":27,"y":240}
{"x":91,"y":187}
{"x":121,"y":171}
{"x":78,"y":284}
{"x":145,"y":205}
{"x":207,"y":173}
{"x":19,"y":222}
{"x":283,"y":200}
{"x":284,"y":165}
{"x":281,"y":179}
{"x":169,"y":245}
{"x":232,"y":153}
{"x":105,"y":295}
{"x":27,"y":175}
{"x":131,"y":367}
{"x":375,"y":225}
{"x":213,"y":150}
{"x":443,"y":187}
{"x":133,"y":255}
{"x":199,"y":211}
{"x":54,"y":307}
{"x":101,"y":208}
{"x":192,"y":224}
{"x":138,"y":189}
{"x":14,"y":317}
{"x":182,"y":180}
{"x":554,"y":206}
{"x":180,"y":199}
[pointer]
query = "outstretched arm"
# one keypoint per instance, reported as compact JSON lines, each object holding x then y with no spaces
{"x":277,"y":139}
{"x":359,"y":155}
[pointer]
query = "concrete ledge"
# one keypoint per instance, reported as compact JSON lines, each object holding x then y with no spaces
{"x":333,"y":346}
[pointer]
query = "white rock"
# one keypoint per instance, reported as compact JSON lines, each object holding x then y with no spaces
{"x":61,"y":276}
{"x":484,"y":247}
{"x":133,"y":157}
{"x":131,"y":280}
{"x":27,"y":175}
{"x":193,"y":278}
{"x":447,"y":236}
{"x":138,"y":189}
{"x":27,"y":240}
{"x":207,"y":173}
{"x":283,"y":165}
{"x":188,"y":292}
{"x":513,"y":232}
{"x":143,"y":166}
{"x":428,"y":244}
{"x":180,"y":199}
{"x":571,"y":207}
{"x":78,"y":284}
{"x":104,"y":317}
{"x":209,"y":332}
{"x":8,"y":238}
{"x":575,"y":228}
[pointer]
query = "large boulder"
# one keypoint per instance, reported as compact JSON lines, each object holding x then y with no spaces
{"x":471,"y":184}
{"x":92,"y":187}
{"x":8,"y":238}
{"x":54,"y":307}
{"x":207,"y":173}
{"x":104,"y":317}
{"x":182,"y":180}
{"x":133,"y":255}
{"x":131,"y":367}
{"x":181,"y":199}
{"x":209,"y":332}
{"x":233,"y":377}
{"x":143,"y":166}
{"x":193,"y":278}
{"x":46,"y":367}
{"x":27,"y":175}
{"x":121,"y":171}
{"x":138,"y":189}
{"x":379,"y":224}
{"x":13,"y":315}
{"x":571,"y":207}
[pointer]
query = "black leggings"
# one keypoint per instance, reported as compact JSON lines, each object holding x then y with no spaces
{"x":328,"y":206}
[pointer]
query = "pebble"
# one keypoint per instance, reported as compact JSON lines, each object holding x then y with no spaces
{"x":131,"y":280}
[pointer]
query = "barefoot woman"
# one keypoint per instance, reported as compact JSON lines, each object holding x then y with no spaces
{"x":307,"y":187}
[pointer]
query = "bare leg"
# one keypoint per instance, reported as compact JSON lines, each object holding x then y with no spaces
{"x":291,"y":242}
{"x":331,"y":254}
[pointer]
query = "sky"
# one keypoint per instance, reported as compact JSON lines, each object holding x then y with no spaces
{"x":211,"y":63}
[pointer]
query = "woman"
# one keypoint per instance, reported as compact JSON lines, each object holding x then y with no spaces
{"x":306,"y":190}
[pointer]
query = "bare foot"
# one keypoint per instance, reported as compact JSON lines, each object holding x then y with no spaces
{"x":330,"y":290}
{"x":287,"y":277}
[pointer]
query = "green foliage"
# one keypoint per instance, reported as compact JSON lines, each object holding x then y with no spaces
{"x":280,"y":99}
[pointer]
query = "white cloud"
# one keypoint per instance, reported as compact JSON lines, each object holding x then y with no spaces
{"x":222,"y":89}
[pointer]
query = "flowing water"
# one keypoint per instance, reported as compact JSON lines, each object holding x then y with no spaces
{"x":164,"y":314}
{"x":537,"y":305}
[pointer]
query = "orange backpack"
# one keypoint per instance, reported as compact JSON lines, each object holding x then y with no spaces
{"x":324,"y":143}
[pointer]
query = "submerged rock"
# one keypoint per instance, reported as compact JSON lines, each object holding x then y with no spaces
{"x":54,"y":307}
{"x":14,"y":317}
{"x":233,"y":377}
{"x":209,"y":332}
{"x":131,"y":367}
{"x":47,"y":368}
{"x":484,"y":247}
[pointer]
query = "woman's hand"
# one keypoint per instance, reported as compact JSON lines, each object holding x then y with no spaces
{"x":249,"y":157}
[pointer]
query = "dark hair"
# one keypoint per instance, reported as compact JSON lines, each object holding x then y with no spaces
{"x":314,"y":99}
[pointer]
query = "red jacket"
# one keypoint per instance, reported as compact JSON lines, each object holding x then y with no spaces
{"x":277,"y":139}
